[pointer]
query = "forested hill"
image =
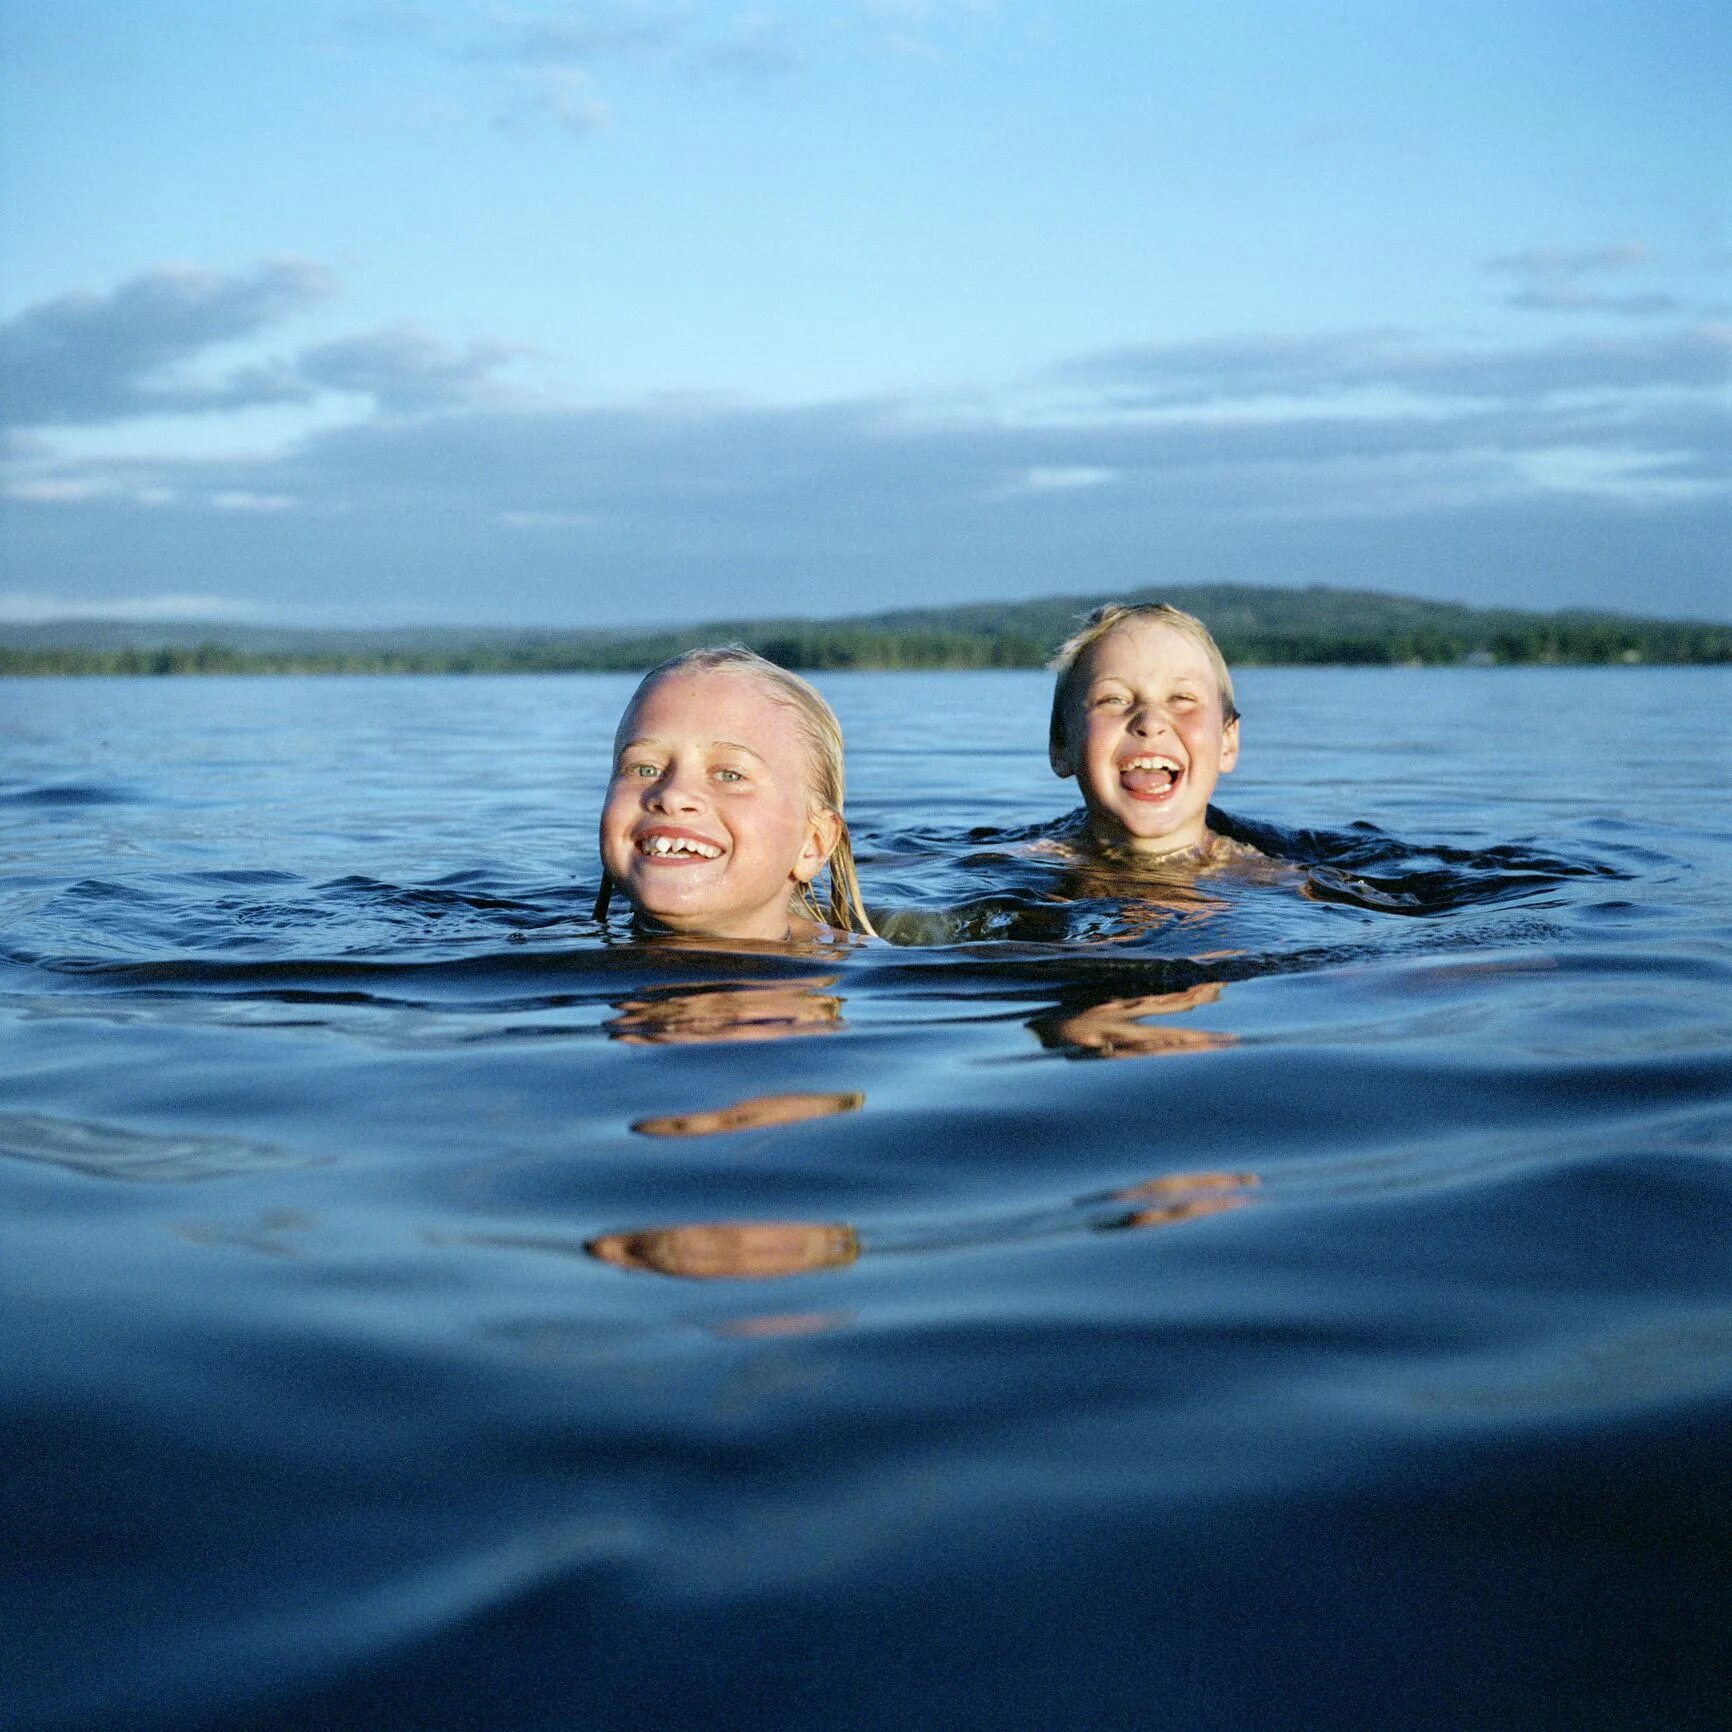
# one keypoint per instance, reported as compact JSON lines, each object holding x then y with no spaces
{"x":1254,"y":625}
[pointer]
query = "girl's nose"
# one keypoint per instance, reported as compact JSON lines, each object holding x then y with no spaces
{"x":676,"y":792}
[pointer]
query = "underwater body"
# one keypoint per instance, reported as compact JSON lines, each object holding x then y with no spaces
{"x":1295,"y":1295}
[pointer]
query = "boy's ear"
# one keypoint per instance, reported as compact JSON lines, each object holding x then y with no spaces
{"x":823,"y":832}
{"x":1059,"y":756}
{"x":1230,"y":745}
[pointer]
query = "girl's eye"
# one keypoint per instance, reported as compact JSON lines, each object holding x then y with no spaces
{"x":726,"y":775}
{"x":640,"y":771}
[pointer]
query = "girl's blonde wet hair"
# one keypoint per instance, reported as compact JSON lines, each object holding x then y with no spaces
{"x":843,"y":908}
{"x":1109,"y":617}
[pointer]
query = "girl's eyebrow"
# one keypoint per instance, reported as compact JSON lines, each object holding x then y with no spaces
{"x":736,"y":746}
{"x":731,"y":745}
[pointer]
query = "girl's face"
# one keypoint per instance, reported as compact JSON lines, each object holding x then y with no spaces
{"x":709,"y":825}
{"x":1146,"y":738}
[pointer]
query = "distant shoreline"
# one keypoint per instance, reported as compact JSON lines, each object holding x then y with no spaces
{"x":1255,"y":626}
{"x":205,"y":663}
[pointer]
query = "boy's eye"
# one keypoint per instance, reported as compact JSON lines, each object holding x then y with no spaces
{"x":725,"y":774}
{"x":1110,"y":700}
{"x":641,"y":770}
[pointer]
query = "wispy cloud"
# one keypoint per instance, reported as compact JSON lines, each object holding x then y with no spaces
{"x":26,"y":607}
{"x":1264,"y":455}
{"x":567,"y":96}
{"x":86,"y":357}
{"x":567,"y":64}
{"x":578,"y":35}
{"x":1571,"y":261}
{"x":1569,"y":298}
{"x":1241,"y":369}
{"x":1550,"y":280}
{"x":404,"y":368}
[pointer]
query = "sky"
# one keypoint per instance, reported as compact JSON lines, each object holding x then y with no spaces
{"x":644,"y":312}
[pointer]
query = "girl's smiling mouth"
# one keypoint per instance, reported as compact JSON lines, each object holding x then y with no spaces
{"x":1150,"y":776}
{"x":671,"y":845}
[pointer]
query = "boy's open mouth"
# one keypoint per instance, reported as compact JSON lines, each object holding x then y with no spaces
{"x":677,"y":847}
{"x":1150,"y":777}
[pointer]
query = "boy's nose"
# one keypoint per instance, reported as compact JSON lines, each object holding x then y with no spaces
{"x":1148,"y":719}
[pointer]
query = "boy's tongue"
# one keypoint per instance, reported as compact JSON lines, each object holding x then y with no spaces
{"x":1148,"y":781}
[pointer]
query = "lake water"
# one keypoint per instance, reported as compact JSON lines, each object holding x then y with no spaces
{"x":1301,"y":1302}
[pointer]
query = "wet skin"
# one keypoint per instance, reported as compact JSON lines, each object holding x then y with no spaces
{"x":1146,"y":739}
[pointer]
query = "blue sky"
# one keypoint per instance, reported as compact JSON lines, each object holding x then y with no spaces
{"x":365,"y":311}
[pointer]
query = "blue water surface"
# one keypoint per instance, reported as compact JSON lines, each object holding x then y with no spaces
{"x":1299,"y":1298}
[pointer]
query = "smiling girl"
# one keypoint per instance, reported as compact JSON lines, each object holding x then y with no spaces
{"x":726,"y":804}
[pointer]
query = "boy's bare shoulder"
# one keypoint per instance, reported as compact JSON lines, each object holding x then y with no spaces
{"x":1222,"y":850}
{"x":1070,"y":842}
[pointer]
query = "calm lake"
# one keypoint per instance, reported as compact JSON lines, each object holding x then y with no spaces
{"x":1299,"y":1300}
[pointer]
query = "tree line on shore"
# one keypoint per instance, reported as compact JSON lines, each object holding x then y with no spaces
{"x":1254,"y":626}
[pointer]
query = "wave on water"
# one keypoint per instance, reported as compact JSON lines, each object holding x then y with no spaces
{"x":74,"y":794}
{"x":986,"y":899}
{"x":1289,"y":1289}
{"x":985,"y":905}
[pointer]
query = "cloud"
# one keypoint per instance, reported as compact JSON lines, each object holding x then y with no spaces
{"x":85,"y":357}
{"x":1349,"y":457}
{"x":1551,"y":281}
{"x":26,"y":607}
{"x":754,"y":45}
{"x":82,"y":489}
{"x":731,"y":482}
{"x":404,"y":368}
{"x":237,"y":499}
{"x":567,"y":96}
{"x":1566,"y":298}
{"x":1063,"y":478}
{"x":1571,"y":261}
{"x":559,"y":53}
{"x":1243,"y":369}
{"x":578,"y":35}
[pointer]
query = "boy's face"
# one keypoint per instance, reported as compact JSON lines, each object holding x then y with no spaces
{"x":1145,"y":739}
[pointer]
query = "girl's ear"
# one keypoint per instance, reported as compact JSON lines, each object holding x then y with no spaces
{"x":823,"y":832}
{"x":1230,"y":745}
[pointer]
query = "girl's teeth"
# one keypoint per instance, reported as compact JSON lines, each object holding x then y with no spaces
{"x":677,"y":845}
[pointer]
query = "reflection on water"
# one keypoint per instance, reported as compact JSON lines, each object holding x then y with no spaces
{"x":726,"y":1010}
{"x":428,"y":1310}
{"x":1185,"y":1197}
{"x":138,"y":1157}
{"x":758,"y":1250}
{"x":758,"y":1113}
{"x":1120,"y":1027}
{"x":738,"y":1250}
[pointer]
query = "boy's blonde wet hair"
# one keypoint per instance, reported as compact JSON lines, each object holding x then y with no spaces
{"x":1109,"y":617}
{"x":843,"y":907}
